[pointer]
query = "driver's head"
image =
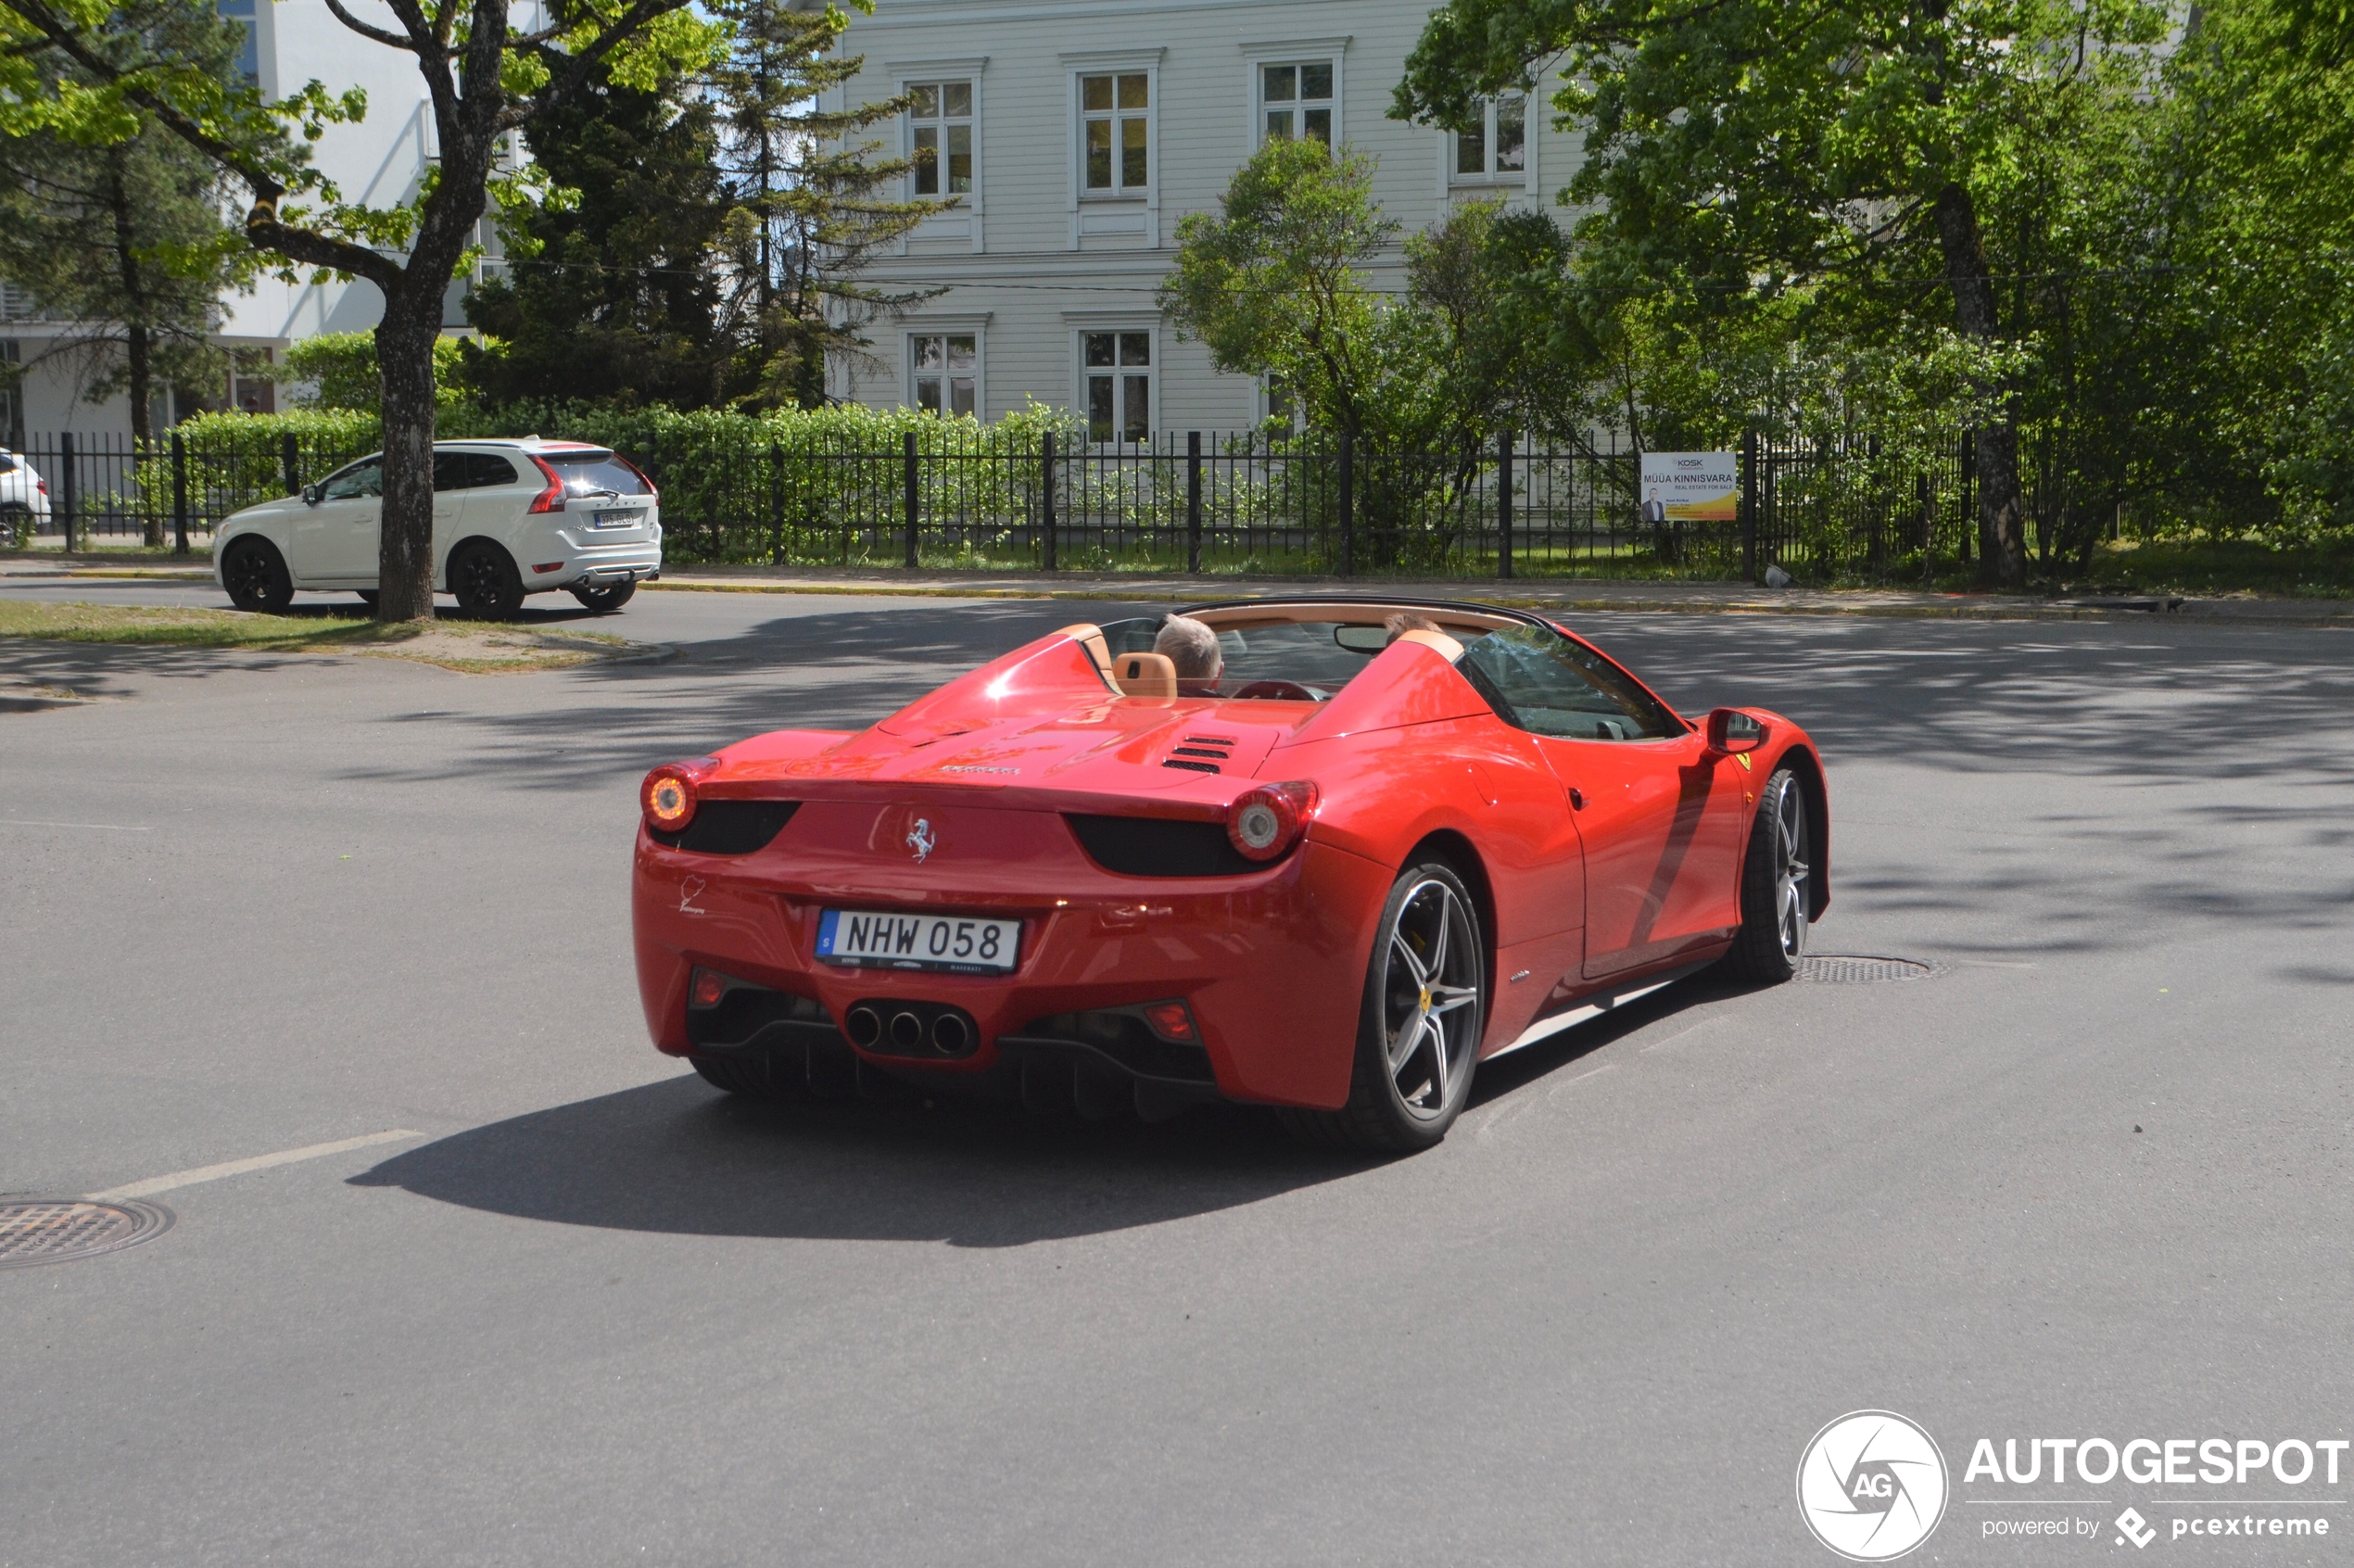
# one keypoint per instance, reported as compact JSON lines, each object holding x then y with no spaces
{"x":1192,"y":647}
{"x":1404,"y":620}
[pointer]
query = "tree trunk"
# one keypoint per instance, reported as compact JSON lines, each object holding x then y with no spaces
{"x":404,"y":367}
{"x":138,"y":350}
{"x":2002,"y":548}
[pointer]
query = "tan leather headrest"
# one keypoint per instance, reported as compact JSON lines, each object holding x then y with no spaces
{"x":1448,"y":649}
{"x":1144,"y":675}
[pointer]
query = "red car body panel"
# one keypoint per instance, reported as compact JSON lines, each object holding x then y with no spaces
{"x":1642,"y":877}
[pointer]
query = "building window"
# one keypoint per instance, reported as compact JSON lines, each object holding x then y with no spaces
{"x":1297,"y":100}
{"x":1119,"y":367}
{"x":248,"y":53}
{"x":946,"y":370}
{"x":941,"y":120}
{"x":1497,"y":147}
{"x":1117,"y":150}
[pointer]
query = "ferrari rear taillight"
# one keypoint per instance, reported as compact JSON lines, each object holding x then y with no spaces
{"x":1266,"y":822}
{"x":707,"y":989}
{"x":667,"y":797}
{"x":552,"y":498}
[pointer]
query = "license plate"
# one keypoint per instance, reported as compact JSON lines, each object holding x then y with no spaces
{"x":614,"y":519}
{"x":918,"y":942}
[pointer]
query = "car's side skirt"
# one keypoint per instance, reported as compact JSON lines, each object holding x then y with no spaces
{"x":1592,"y":1007}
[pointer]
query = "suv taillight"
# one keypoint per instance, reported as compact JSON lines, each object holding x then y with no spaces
{"x":552,"y":498}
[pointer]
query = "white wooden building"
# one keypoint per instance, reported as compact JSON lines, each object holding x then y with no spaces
{"x":1074,"y":135}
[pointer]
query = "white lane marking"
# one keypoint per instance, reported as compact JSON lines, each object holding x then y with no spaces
{"x":108,"y":827}
{"x":1519,"y":1105}
{"x":1685,"y":1034}
{"x":239,"y":1166}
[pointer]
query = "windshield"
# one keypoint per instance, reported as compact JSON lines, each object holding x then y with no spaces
{"x":596,"y":472}
{"x":1533,"y":676}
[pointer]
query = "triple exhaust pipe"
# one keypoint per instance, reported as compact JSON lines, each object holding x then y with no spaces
{"x":909,"y":1027}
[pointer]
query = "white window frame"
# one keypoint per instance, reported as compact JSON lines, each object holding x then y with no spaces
{"x":975,"y":327}
{"x":1490,"y":174}
{"x":944,"y":123}
{"x":1521,"y":178}
{"x":1292,"y":51}
{"x":908,"y":73}
{"x":1114,"y":63}
{"x":1080,"y":324}
{"x":1258,"y":83}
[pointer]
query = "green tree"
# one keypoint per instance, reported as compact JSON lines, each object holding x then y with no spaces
{"x":1740,"y":149}
{"x":124,"y":237}
{"x":1277,"y":284}
{"x":612,"y":293}
{"x":482,"y":80}
{"x":808,"y":209}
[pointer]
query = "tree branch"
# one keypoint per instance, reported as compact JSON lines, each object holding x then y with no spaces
{"x":560,"y":87}
{"x":390,"y":40}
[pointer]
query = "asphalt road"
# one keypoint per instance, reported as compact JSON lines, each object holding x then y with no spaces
{"x":2091,"y":1181}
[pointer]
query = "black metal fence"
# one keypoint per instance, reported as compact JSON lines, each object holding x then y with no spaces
{"x":957,"y":495}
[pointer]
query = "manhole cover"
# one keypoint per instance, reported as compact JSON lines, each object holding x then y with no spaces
{"x":58,"y":1229}
{"x":1847,"y":968}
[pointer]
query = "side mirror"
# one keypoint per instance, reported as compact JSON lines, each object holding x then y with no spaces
{"x":310,"y":494}
{"x":1730,"y":730}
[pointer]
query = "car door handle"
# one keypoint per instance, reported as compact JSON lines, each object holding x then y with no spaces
{"x":1577,"y":799}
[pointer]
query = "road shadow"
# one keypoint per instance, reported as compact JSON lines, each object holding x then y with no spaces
{"x":678,"y":1156}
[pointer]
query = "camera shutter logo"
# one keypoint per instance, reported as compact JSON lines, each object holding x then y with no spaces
{"x":1871,"y":1486}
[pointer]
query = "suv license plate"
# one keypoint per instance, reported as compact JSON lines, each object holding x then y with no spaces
{"x":918,"y":942}
{"x":616,"y":519}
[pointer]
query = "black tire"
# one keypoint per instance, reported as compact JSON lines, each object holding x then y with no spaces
{"x":15,"y":526}
{"x":254,"y":574}
{"x":1427,"y":948}
{"x":487,"y":585}
{"x":1777,"y":897}
{"x":605,"y":601}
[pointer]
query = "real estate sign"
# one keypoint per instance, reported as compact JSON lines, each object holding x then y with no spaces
{"x":1692,"y":486}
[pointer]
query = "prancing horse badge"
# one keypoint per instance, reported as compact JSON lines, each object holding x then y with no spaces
{"x":920,"y":841}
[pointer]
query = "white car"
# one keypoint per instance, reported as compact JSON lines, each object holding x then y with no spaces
{"x":510,"y":518}
{"x":24,"y":500}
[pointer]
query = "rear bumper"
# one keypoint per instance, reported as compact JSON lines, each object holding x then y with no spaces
{"x":597,"y":568}
{"x":1272,"y":964}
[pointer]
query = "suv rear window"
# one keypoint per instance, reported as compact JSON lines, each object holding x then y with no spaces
{"x":596,"y":472}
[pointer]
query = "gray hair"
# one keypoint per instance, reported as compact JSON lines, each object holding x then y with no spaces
{"x":1191,"y":646}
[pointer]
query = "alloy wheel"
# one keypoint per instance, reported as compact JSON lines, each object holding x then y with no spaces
{"x":1430,"y":994}
{"x":1790,"y":890}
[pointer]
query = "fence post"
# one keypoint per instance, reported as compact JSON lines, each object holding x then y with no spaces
{"x":1193,"y":500}
{"x":1749,"y":506}
{"x":775,"y":504}
{"x":1505,"y":502}
{"x":180,"y":493}
{"x":908,"y":457}
{"x":1047,"y":510}
{"x":1348,"y":505}
{"x":66,"y":486}
{"x":290,"y":461}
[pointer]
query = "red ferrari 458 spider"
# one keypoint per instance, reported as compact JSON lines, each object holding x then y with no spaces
{"x":1370,"y":844}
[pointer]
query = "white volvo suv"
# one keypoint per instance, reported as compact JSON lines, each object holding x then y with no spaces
{"x":510,"y":518}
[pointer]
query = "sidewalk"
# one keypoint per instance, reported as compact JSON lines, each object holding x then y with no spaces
{"x":1557,"y":594}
